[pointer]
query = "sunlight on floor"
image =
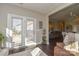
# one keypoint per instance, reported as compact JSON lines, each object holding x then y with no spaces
{"x":37,"y":51}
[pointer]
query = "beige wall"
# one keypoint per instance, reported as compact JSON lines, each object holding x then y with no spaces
{"x":7,"y":8}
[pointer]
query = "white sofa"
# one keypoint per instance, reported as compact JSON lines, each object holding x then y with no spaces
{"x":71,"y":41}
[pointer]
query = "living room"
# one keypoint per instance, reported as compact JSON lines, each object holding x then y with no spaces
{"x":25,"y":28}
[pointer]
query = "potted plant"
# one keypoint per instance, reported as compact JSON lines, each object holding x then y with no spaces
{"x":44,"y":41}
{"x":1,"y":39}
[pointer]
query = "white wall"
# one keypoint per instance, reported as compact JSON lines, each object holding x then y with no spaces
{"x":7,"y":8}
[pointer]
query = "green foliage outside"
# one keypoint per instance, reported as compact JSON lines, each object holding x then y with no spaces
{"x":1,"y":38}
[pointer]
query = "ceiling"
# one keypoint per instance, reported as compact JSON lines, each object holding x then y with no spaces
{"x":69,"y":13}
{"x":43,"y":8}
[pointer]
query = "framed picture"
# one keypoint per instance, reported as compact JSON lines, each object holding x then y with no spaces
{"x":40,"y":24}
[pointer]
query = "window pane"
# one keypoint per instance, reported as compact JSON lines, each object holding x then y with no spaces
{"x":16,"y":37}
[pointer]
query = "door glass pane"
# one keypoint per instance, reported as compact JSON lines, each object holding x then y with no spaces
{"x":16,"y":35}
{"x":30,"y":25}
{"x":30,"y":33}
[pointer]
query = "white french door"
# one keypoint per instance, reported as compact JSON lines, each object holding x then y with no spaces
{"x":21,"y":31}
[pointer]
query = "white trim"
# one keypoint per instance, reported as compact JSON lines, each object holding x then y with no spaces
{"x":47,"y":29}
{"x":14,"y":15}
